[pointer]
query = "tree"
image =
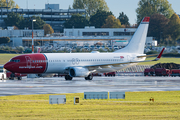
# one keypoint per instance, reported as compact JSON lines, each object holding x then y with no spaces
{"x":150,"y":7}
{"x":48,"y":29}
{"x":99,"y":19}
{"x":112,"y":22}
{"x":124,"y":19}
{"x":174,"y":27}
{"x":20,"y":49}
{"x":37,"y":25}
{"x":78,"y":4}
{"x":14,"y":19}
{"x":158,"y":26}
{"x":11,"y":4}
{"x":76,"y":21}
{"x":91,"y":6}
{"x":4,"y":40}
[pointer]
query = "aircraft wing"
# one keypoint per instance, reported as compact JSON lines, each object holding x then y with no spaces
{"x":128,"y":62}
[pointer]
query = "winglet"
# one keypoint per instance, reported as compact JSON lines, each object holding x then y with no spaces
{"x":160,"y":54}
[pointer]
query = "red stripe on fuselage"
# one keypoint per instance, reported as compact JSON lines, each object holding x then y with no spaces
{"x":29,"y":63}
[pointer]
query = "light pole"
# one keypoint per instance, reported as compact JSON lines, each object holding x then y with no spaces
{"x":33,"y":20}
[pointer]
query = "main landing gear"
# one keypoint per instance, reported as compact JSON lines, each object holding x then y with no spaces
{"x":89,"y":77}
{"x":68,"y":77}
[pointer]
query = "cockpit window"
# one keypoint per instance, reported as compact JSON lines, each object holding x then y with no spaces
{"x":14,"y":60}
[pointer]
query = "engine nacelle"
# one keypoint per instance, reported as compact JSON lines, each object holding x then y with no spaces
{"x":78,"y":72}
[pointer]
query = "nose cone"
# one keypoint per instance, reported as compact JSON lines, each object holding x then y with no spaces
{"x":8,"y":66}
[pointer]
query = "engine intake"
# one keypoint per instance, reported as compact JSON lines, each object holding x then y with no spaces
{"x":78,"y":72}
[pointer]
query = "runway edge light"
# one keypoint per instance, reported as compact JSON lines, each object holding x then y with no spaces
{"x":76,"y":100}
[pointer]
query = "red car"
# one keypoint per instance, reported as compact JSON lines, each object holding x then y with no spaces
{"x":175,"y":72}
{"x":162,"y":72}
{"x":110,"y":74}
{"x":149,"y":71}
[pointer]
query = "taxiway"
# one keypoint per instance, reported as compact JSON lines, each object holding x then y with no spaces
{"x":79,"y":85}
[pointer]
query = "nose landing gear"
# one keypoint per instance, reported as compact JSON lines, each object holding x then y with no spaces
{"x":68,"y":77}
{"x":12,"y":76}
{"x":89,"y":77}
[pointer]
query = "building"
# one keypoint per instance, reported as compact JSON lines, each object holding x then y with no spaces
{"x":52,"y":6}
{"x":51,"y":15}
{"x":80,"y":37}
{"x":104,"y":32}
{"x":17,"y":35}
{"x":89,"y":36}
{"x":115,"y":36}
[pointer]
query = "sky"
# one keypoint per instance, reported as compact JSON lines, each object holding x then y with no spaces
{"x":116,"y":6}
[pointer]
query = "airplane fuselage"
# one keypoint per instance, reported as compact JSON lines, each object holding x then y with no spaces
{"x":59,"y":62}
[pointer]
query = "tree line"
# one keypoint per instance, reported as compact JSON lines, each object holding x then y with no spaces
{"x":19,"y":22}
{"x":101,"y":19}
{"x":164,"y":23}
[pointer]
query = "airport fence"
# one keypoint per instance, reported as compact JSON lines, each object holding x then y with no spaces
{"x":137,"y":70}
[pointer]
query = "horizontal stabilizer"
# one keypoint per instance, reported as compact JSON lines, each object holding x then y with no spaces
{"x":148,"y":55}
{"x":158,"y":57}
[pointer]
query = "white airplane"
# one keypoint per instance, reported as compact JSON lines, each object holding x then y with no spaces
{"x":84,"y":64}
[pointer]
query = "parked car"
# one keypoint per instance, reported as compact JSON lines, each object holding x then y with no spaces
{"x":175,"y":72}
{"x":110,"y":74}
{"x":149,"y":72}
{"x":162,"y":72}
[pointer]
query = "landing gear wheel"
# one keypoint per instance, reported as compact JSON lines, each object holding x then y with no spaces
{"x":89,"y":77}
{"x":12,"y":76}
{"x":19,"y":78}
{"x":68,"y":77}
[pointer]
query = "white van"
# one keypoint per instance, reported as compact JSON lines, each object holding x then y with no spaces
{"x":2,"y":73}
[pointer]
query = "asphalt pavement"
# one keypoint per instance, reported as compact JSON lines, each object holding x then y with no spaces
{"x":79,"y":85}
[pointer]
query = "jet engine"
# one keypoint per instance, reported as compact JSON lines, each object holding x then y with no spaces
{"x":78,"y":72}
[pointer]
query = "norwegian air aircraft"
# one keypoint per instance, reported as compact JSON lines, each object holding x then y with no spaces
{"x":84,"y":64}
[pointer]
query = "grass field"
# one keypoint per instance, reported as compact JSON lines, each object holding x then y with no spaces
{"x":136,"y":105}
{"x":4,"y":58}
{"x":162,"y":60}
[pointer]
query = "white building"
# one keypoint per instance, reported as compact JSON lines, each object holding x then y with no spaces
{"x":88,"y":36}
{"x":10,"y":32}
{"x":17,"y":35}
{"x":103,"y":32}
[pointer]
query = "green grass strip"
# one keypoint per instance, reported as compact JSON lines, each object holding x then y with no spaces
{"x":136,"y":105}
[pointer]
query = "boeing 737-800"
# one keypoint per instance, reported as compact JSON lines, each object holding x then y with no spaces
{"x":84,"y":64}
